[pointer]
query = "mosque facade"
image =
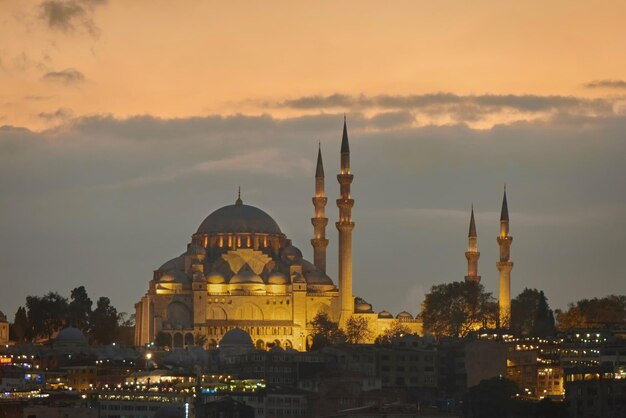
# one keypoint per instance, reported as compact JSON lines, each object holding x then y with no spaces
{"x":241,"y":271}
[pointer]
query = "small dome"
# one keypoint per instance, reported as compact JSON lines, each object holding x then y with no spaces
{"x":316,"y":277}
{"x":175,"y":264}
{"x":170,"y":411}
{"x":404,"y":315}
{"x":236,"y":337}
{"x":71,"y":335}
{"x":384,"y":314}
{"x":239,"y":218}
{"x":277,"y":277}
{"x":291,"y":255}
{"x":215,"y":277}
{"x":174,"y":276}
{"x":362,"y":307}
{"x":246,"y":276}
{"x":196,"y":250}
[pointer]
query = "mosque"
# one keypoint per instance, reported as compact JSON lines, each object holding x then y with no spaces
{"x":241,"y":271}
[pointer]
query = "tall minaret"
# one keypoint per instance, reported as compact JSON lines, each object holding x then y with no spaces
{"x":319,"y":241}
{"x":472,"y":254}
{"x":345,"y":227}
{"x":505,"y":265}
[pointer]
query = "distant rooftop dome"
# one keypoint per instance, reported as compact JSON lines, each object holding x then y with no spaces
{"x":404,"y":315}
{"x":71,"y":335}
{"x":239,"y":218}
{"x":236,"y":337}
{"x":384,"y":314}
{"x":170,"y":411}
{"x":362,"y":306}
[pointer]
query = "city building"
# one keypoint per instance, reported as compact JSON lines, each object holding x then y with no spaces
{"x":4,"y":329}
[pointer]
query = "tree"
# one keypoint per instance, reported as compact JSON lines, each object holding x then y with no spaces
{"x":200,"y":340}
{"x":162,"y":340}
{"x":20,"y":328}
{"x":325,"y":332}
{"x":531,"y":315}
{"x":79,"y":309}
{"x":397,"y":329}
{"x":103,"y":322}
{"x":126,"y":320}
{"x":357,"y":330}
{"x":490,"y":398}
{"x":594,"y":313}
{"x":454,"y":309}
{"x":46,"y":314}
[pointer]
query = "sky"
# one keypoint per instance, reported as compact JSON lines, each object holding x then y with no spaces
{"x":124,"y":124}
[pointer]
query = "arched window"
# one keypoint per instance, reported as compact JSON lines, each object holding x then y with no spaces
{"x":178,"y":340}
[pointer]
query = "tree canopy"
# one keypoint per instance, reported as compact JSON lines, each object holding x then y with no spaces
{"x":608,"y":311}
{"x":531,"y":314}
{"x":454,"y":309}
{"x":396,"y":329}
{"x":325,"y":332}
{"x":357,"y":330}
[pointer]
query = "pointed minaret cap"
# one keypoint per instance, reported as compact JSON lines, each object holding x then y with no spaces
{"x":472,"y":227}
{"x":345,"y":146}
{"x":504,"y":215}
{"x":239,"y":201}
{"x":319,"y":171}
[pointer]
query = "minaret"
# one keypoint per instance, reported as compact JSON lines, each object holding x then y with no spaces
{"x":319,"y":241}
{"x":345,"y":227}
{"x":505,"y":265}
{"x":472,"y":254}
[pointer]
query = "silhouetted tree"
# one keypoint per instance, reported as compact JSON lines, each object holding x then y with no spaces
{"x":454,"y":309}
{"x":490,"y":399}
{"x":162,"y":340}
{"x":79,"y":309}
{"x":103,"y":322}
{"x":396,"y":329}
{"x":325,"y":332}
{"x":46,"y":314}
{"x":20,"y":329}
{"x":531,"y":315}
{"x":357,"y":330}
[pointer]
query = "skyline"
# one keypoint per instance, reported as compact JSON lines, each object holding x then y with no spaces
{"x":117,"y":140}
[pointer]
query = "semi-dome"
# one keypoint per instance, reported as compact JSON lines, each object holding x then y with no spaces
{"x":246,"y":276}
{"x":215,"y":277}
{"x":316,"y":277}
{"x":174,"y":276}
{"x":239,"y":218}
{"x":71,"y":335}
{"x":236,"y":337}
{"x":277,"y":277}
{"x":177,"y":263}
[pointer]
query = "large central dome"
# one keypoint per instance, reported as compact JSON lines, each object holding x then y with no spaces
{"x":239,"y":218}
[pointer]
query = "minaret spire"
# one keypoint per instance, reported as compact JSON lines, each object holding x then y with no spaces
{"x":472,"y":254}
{"x":319,"y":241}
{"x":345,"y":225}
{"x":505,"y":265}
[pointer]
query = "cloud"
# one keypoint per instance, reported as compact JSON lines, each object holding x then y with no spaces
{"x":124,"y":194}
{"x":59,"y":114}
{"x":606,"y":84}
{"x":444,"y":107}
{"x":67,"y":76}
{"x":68,"y":15}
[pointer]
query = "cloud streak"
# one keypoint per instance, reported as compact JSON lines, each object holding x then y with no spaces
{"x":68,"y":76}
{"x":606,"y":84}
